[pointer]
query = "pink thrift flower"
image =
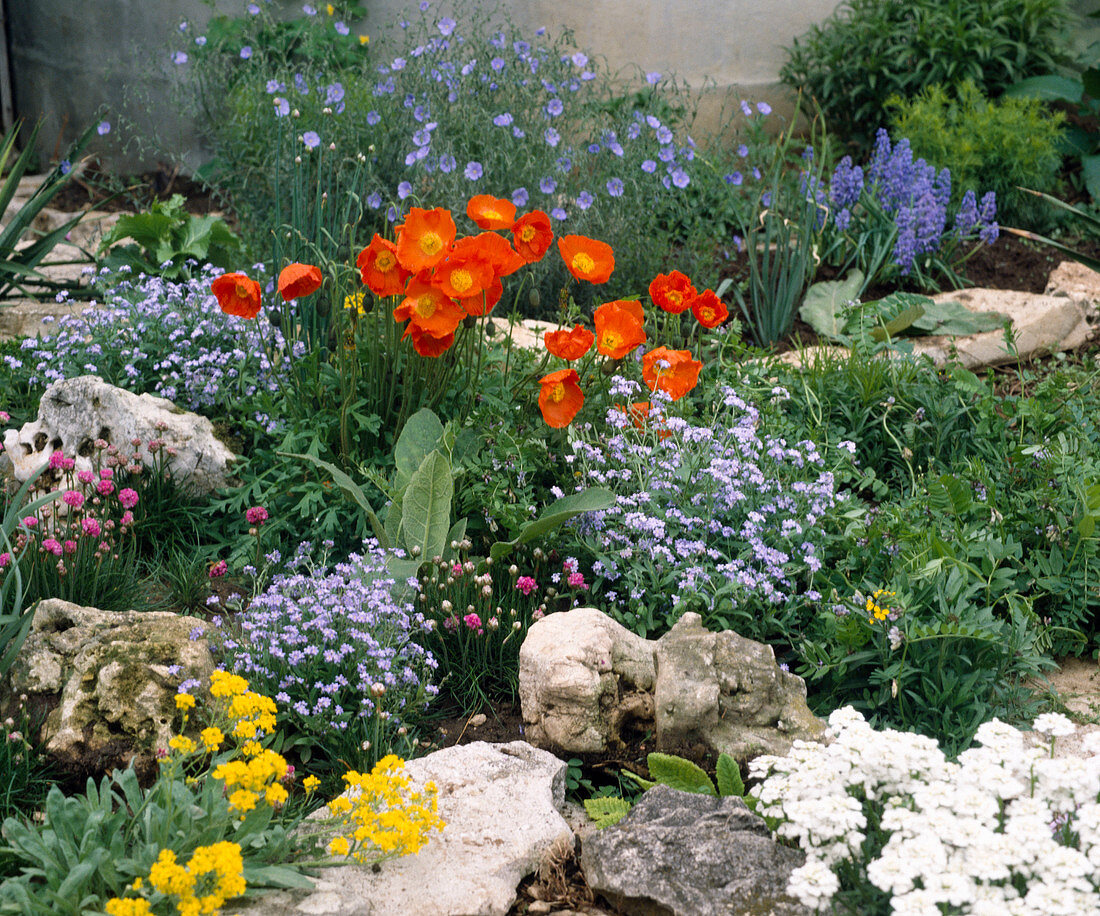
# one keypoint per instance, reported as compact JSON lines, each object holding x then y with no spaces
{"x":4,"y":416}
{"x":456,"y":570}
{"x":30,"y":521}
{"x":526,"y":584}
{"x":128,"y":498}
{"x":67,"y":464}
{"x":105,"y":488}
{"x":219,"y":569}
{"x":127,"y":517}
{"x":5,"y":559}
{"x":52,"y":545}
{"x":55,"y":460}
{"x":70,"y":547}
{"x":106,"y":473}
{"x":85,"y":477}
{"x":472,"y":621}
{"x":576,"y":580}
{"x":91,"y":527}
{"x":104,"y":547}
{"x":257,"y":515}
{"x":73,"y":498}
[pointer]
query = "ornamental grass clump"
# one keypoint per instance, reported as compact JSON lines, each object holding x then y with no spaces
{"x":889,"y":824}
{"x":714,"y":517}
{"x":342,"y":656}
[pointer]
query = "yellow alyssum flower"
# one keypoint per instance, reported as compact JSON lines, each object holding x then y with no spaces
{"x":310,"y":783}
{"x":137,"y":906}
{"x":185,"y":701}
{"x":339,"y":846}
{"x":242,"y":801}
{"x":212,"y":738}
{"x":364,"y":39}
{"x":183,"y":744}
{"x":224,"y":684}
{"x":169,"y":877}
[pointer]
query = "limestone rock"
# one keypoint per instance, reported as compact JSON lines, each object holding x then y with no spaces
{"x":106,"y":676}
{"x":1077,"y":282}
{"x":583,"y":680}
{"x":500,"y":803}
{"x":727,"y":693}
{"x":691,"y":855}
{"x":73,"y":413}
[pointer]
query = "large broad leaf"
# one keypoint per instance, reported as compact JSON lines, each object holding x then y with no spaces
{"x":825,"y":302}
{"x":678,"y":773}
{"x":350,"y":487}
{"x":1048,"y":88}
{"x":418,"y":439}
{"x":956,"y":320}
{"x":426,"y":508}
{"x":729,"y":776}
{"x":594,"y":499}
{"x":889,"y":316}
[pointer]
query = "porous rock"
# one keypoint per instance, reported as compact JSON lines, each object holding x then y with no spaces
{"x":691,"y":855}
{"x":107,"y":677}
{"x":583,"y":681}
{"x":726,"y":692}
{"x":501,"y":806}
{"x":73,"y":413}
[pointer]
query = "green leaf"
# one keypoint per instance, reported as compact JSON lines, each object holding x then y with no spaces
{"x":1086,"y":526}
{"x":350,"y":487}
{"x":825,"y":303}
{"x":606,"y":810}
{"x":1048,"y":88}
{"x":594,"y":499}
{"x":678,"y":773}
{"x":904,"y":320}
{"x":955,"y":319}
{"x":1090,"y":170}
{"x":426,"y":508}
{"x":418,"y":439}
{"x":729,"y":777}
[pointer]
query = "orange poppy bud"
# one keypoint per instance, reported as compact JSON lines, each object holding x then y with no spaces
{"x":425,"y":238}
{"x":671,"y":292}
{"x":491,"y":212}
{"x":428,"y":308}
{"x":587,"y":259}
{"x":237,"y":295}
{"x":427,"y":345}
{"x":561,"y":398}
{"x":569,"y":345}
{"x":297,"y":280}
{"x":619,"y":328}
{"x":379,"y":268}
{"x":708,"y":309}
{"x":532,"y":235}
{"x":672,"y":371}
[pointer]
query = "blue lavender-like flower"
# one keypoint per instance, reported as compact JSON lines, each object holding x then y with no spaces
{"x":966,"y":219}
{"x":846,"y":184}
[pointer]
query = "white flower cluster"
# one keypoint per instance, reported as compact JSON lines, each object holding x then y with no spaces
{"x":1008,"y":830}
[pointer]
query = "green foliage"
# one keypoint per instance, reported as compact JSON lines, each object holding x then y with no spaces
{"x":871,"y":50}
{"x":987,"y":145}
{"x":19,"y":263}
{"x":606,"y":810}
{"x":166,"y":238}
{"x":24,"y":772}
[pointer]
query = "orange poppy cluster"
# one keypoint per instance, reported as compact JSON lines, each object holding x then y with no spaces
{"x":620,"y":328}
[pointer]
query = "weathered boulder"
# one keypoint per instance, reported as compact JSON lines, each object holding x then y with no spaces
{"x":109,"y":679}
{"x":691,"y":855}
{"x":727,"y":693}
{"x":501,"y":806}
{"x":583,"y":680}
{"x":73,"y":413}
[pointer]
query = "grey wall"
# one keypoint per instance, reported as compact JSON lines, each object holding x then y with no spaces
{"x":70,"y":58}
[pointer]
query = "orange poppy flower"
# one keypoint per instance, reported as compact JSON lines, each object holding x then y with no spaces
{"x":639,"y":414}
{"x":463,"y":276}
{"x":425,"y":238}
{"x":708,"y":309}
{"x":483,"y":302}
{"x":532,"y":235}
{"x":298,"y":280}
{"x":491,"y":212}
{"x":379,"y":268}
{"x":672,"y":371}
{"x":587,"y":259}
{"x":569,"y":345}
{"x":427,"y":345}
{"x":493,"y":248}
{"x":671,"y":292}
{"x":425,"y":306}
{"x":619,"y":328}
{"x":237,"y":295}
{"x":561,"y":397}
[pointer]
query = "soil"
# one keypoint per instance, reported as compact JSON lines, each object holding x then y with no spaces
{"x":97,"y":190}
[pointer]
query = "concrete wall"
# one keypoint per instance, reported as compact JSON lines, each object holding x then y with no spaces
{"x":70,"y":58}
